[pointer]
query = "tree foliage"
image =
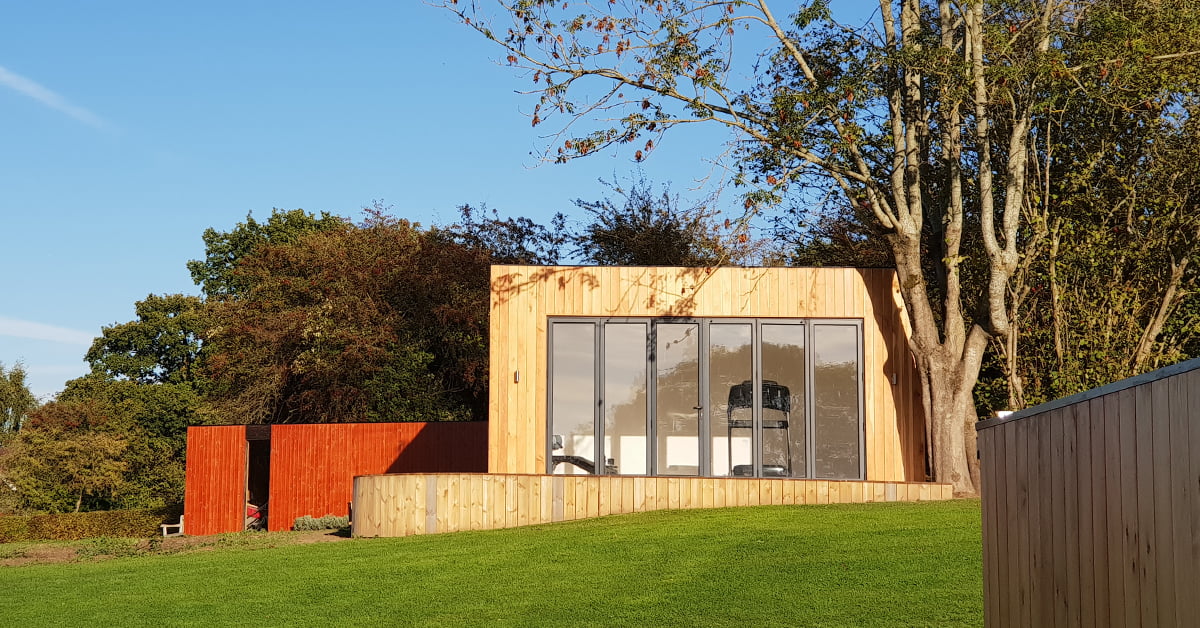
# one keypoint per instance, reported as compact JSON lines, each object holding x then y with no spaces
{"x":643,"y":227}
{"x":138,"y":430}
{"x":386,"y":321}
{"x":1112,"y":231}
{"x":512,"y":240}
{"x":63,"y":460}
{"x":924,"y":120}
{"x":216,"y":273}
{"x":16,"y":401}
{"x":161,"y":346}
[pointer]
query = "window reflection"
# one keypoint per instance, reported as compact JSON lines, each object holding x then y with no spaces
{"x":573,"y":386}
{"x":783,"y":400}
{"x":625,"y":398}
{"x":835,"y":420}
{"x":730,"y":363}
{"x":678,"y":395}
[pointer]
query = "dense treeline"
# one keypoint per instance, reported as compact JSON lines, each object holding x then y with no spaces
{"x":306,"y":318}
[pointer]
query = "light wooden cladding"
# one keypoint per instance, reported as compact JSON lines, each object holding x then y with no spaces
{"x":403,"y":505}
{"x":1091,"y":511}
{"x":524,"y":297}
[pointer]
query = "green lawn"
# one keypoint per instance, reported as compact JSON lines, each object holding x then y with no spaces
{"x":846,"y":565}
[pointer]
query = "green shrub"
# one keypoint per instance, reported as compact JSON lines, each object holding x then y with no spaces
{"x":14,"y":528}
{"x":107,"y":547}
{"x":85,"y":525}
{"x":328,"y":522}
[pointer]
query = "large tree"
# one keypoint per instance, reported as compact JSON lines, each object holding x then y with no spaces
{"x":15,"y":399}
{"x":384,"y":321}
{"x":67,"y":459}
{"x":923,"y":119}
{"x":162,"y":345}
{"x":217,"y":274}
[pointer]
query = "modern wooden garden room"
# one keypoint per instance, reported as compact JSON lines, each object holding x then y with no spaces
{"x":618,"y":389}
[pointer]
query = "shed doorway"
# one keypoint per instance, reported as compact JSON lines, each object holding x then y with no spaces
{"x":258,"y":475}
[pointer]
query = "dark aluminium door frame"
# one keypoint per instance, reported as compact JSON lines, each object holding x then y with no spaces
{"x":704,"y":417}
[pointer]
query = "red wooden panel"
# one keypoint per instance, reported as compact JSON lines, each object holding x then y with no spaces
{"x":215,"y":482}
{"x":313,"y":465}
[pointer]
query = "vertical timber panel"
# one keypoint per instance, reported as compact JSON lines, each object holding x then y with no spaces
{"x":215,"y":480}
{"x":1191,"y":552}
{"x":1185,"y":577}
{"x":1113,"y":474}
{"x":1147,"y":546}
{"x":1099,"y":491}
{"x":1086,"y":566}
{"x":1164,"y":569}
{"x":1130,"y":509}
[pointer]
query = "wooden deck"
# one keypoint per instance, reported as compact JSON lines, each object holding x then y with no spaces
{"x":408,"y":504}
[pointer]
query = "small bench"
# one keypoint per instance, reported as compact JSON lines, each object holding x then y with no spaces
{"x":173,"y":529}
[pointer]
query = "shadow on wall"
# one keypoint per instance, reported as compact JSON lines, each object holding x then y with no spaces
{"x":672,"y":293}
{"x":451,"y":447}
{"x":890,"y":317}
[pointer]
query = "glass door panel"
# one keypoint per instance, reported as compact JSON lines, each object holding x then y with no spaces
{"x":730,"y":399}
{"x":677,"y":402}
{"x":836,"y":431}
{"x":784,"y":439}
{"x":625,"y":446}
{"x":573,"y":391}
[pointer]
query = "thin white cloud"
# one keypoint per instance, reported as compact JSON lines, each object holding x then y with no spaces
{"x":57,"y":370}
{"x":39,"y":331}
{"x":47,"y":97}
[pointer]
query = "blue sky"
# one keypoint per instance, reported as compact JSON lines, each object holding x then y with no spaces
{"x":130,"y":127}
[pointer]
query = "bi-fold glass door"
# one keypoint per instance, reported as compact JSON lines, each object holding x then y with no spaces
{"x":712,"y":397}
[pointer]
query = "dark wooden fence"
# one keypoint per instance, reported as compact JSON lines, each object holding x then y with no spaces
{"x":1091,"y":507}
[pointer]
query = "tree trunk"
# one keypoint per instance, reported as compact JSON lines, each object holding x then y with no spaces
{"x":951,"y":420}
{"x":1154,"y":327}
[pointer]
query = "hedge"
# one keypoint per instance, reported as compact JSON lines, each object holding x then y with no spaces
{"x":328,"y":522}
{"x":84,"y":525}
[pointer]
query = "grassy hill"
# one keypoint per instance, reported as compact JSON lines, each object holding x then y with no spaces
{"x":845,"y":565}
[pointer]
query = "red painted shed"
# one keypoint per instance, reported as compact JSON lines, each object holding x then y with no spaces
{"x":309,"y":469}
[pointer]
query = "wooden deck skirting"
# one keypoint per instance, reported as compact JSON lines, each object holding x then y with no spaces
{"x":408,"y":504}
